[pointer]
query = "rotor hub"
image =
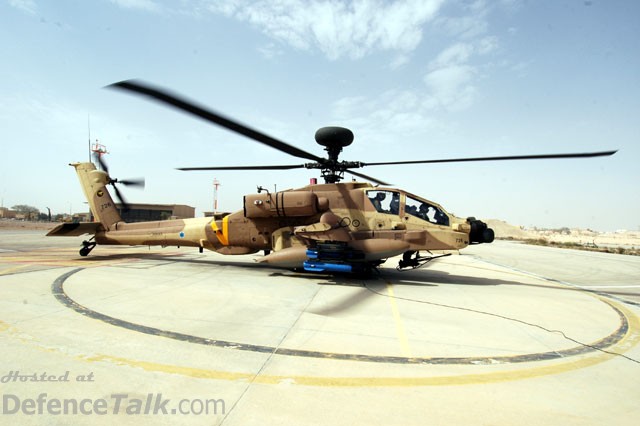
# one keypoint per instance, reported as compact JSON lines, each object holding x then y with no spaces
{"x":334,"y":137}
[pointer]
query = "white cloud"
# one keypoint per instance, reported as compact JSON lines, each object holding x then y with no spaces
{"x":452,"y":74}
{"x":392,"y":114}
{"x":337,"y":28}
{"x":359,"y":28}
{"x":148,"y":5}
{"x":452,"y":86}
{"x":453,"y":55}
{"x":449,"y":85}
{"x":487,"y":45}
{"x":28,"y":6}
{"x":270,"y":51}
{"x":468,"y":25}
{"x":398,"y":62}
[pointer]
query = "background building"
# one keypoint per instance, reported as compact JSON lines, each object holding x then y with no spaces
{"x":147,"y":212}
{"x":5,"y":213}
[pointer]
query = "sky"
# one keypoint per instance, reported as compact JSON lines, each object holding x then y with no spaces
{"x":414,"y":80}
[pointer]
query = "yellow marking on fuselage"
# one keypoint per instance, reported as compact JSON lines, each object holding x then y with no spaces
{"x":222,"y":234}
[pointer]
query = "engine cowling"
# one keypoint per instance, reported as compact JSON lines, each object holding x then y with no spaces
{"x":281,"y":204}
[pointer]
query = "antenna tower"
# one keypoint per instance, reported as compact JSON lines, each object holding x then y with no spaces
{"x":216,"y":185}
{"x":98,"y":149}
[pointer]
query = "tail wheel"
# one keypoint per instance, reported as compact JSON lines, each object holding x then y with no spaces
{"x":87,"y":246}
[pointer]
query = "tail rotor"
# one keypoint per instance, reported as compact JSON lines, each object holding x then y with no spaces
{"x":134,"y":182}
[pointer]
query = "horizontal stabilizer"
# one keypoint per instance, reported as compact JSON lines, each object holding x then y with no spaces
{"x":75,"y":229}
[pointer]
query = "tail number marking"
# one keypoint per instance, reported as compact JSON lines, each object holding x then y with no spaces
{"x":105,"y":206}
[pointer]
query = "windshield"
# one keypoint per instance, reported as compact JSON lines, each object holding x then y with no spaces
{"x":389,"y":202}
{"x":385,"y":201}
{"x":425,"y":211}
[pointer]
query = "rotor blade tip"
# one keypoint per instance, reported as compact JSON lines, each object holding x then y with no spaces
{"x":124,"y":84}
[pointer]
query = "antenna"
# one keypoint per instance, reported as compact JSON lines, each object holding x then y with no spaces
{"x":89,"y":131}
{"x":216,"y":185}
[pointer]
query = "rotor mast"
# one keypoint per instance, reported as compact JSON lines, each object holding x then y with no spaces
{"x":333,"y":139}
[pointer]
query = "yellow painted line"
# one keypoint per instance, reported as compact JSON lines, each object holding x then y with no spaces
{"x":400,"y":329}
{"x":502,"y":269}
{"x":171,"y":369}
{"x":66,"y":257}
{"x":12,"y":270}
{"x":26,"y":261}
{"x":630,"y":340}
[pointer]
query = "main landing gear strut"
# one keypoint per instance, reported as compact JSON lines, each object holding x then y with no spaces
{"x":87,"y":246}
{"x":417,"y":261}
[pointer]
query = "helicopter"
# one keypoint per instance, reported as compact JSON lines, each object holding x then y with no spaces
{"x":334,"y":227}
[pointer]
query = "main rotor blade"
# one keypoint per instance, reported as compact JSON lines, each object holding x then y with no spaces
{"x":363,"y":176}
{"x":511,"y":157}
{"x":133,"y":182}
{"x":191,"y":107}
{"x":282,"y":167}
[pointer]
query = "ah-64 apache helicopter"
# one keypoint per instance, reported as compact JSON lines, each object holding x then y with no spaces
{"x":330,"y":227}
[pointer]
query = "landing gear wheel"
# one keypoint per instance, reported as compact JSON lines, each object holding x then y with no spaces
{"x":416,"y":261}
{"x":87,"y":246}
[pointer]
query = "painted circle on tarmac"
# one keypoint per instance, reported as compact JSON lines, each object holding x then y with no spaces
{"x":600,"y":345}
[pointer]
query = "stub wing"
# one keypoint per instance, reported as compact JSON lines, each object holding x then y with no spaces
{"x":75,"y":229}
{"x":322,"y":232}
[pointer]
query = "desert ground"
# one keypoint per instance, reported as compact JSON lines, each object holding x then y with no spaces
{"x":586,"y":237}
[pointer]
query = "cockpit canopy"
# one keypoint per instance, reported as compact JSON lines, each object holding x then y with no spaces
{"x":399,"y":203}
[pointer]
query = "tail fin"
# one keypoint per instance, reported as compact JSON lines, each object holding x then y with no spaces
{"x":94,"y":183}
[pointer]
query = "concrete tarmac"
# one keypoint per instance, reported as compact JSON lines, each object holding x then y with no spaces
{"x":503,"y":333}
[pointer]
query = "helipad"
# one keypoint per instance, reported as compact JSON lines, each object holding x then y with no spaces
{"x":464,"y":340}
